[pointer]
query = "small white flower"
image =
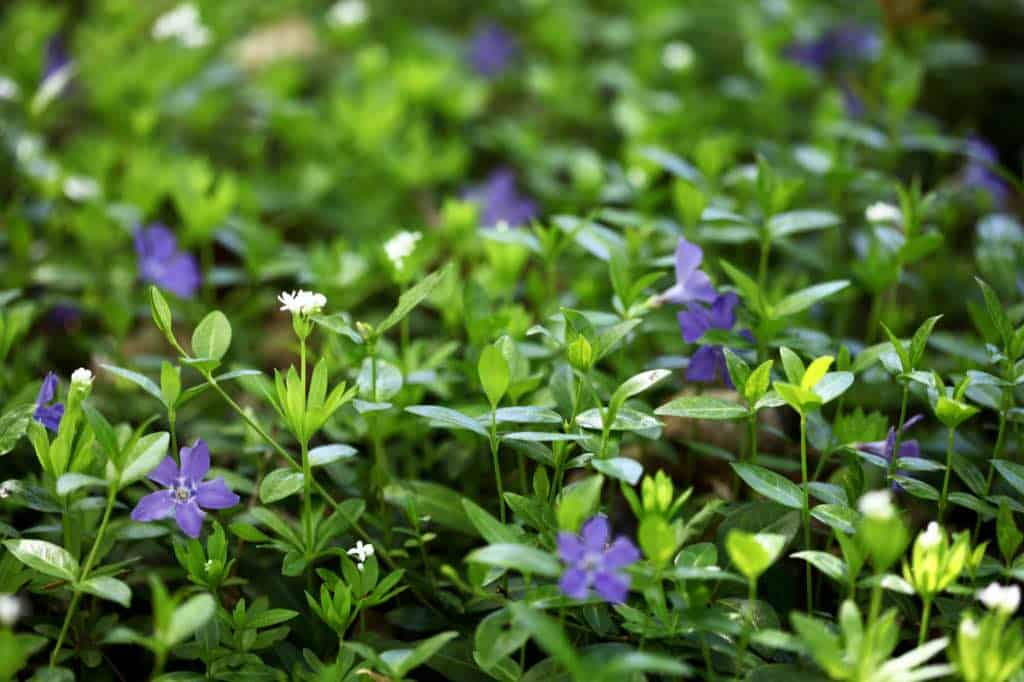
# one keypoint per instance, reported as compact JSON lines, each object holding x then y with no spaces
{"x":677,"y":56}
{"x":8,"y":88}
{"x":877,"y":505}
{"x":400,"y":247}
{"x":968,"y":628}
{"x":81,"y":188}
{"x":931,"y":537}
{"x":10,"y":487}
{"x":1000,"y":598}
{"x":10,"y":609}
{"x":361,"y":552}
{"x":347,"y":13}
{"x":82,"y":377}
{"x":182,"y":24}
{"x":302,"y":302}
{"x":881,"y":212}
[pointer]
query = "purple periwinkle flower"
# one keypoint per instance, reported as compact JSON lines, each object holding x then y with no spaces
{"x":56,"y":56}
{"x":491,"y":49}
{"x":884,"y":448}
{"x":839,"y":45}
{"x":978,"y":172}
{"x":708,"y":362}
{"x":592,"y":563}
{"x":48,"y":415}
{"x":185,"y":494}
{"x":163,"y":264}
{"x":692,"y":284}
{"x":500,"y":201}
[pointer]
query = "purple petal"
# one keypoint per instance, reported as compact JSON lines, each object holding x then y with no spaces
{"x":722,"y":314}
{"x":154,"y":506}
{"x":703,"y":365}
{"x":181,"y":275}
{"x":49,"y":416}
{"x":215,"y":494}
{"x":155,"y":242}
{"x":595,"y":533}
{"x":570,"y":547}
{"x":910,"y":448}
{"x":574,"y":583}
{"x":195,"y":461}
{"x":693,"y":322}
{"x":621,"y":553}
{"x":875,"y":447}
{"x":190,"y":518}
{"x":166,"y":472}
{"x":490,"y":50}
{"x":913,"y":420}
{"x":47,"y":389}
{"x":612,"y":587}
{"x":688,"y":259}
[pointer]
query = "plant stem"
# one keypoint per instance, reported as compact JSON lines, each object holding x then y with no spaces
{"x":945,"y":478}
{"x":84,"y":575}
{"x":874,"y":317}
{"x":753,"y":438}
{"x":997,"y":451}
{"x":806,"y":509}
{"x":497,"y":464}
{"x":925,"y":613}
{"x":172,"y":418}
{"x":895,"y":455}
{"x":762,"y":263}
{"x":748,"y":625}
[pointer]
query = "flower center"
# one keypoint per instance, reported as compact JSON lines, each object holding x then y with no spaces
{"x":181,"y":494}
{"x":182,"y":491}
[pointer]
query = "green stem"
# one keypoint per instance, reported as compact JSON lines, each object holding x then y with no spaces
{"x":84,"y":575}
{"x":899,"y":432}
{"x":762,"y":263}
{"x":874,"y":317}
{"x":806,"y":509}
{"x":945,"y":478}
{"x":748,"y":625}
{"x":923,"y":632}
{"x":172,"y":418}
{"x":497,"y":464}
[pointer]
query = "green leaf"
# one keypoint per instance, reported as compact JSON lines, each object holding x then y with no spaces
{"x":832,"y":385}
{"x":770,"y":484}
{"x":212,"y":336}
{"x":577,"y":502}
{"x":140,"y":380}
{"x":796,"y":222}
{"x":636,"y":384}
{"x":920,"y":340}
{"x":815,"y":372}
{"x":1000,"y":321}
{"x":527,"y":414}
{"x":490,"y":529}
{"x":403,"y":661}
{"x":753,"y":553}
{"x":70,"y":482}
{"x":702,"y":407}
{"x":412,"y":298}
{"x":805,"y":298}
{"x":758,"y":382}
{"x":494,"y":374}
{"x":13,"y":425}
{"x":1007,"y":533}
{"x":625,"y":420}
{"x":161,"y":314}
{"x":1011,"y":472}
{"x":328,"y":454}
{"x":748,"y":287}
{"x":522,"y":558}
{"x":446,"y":418}
{"x":441,"y":504}
{"x":549,"y":636}
{"x":106,"y":587}
{"x":621,"y":468}
{"x":188,"y":618}
{"x":792,"y":365}
{"x":829,"y":564}
{"x":836,"y":516}
{"x":739,"y":371}
{"x":279,"y":484}
{"x":143,"y":457}
{"x":45,"y":557}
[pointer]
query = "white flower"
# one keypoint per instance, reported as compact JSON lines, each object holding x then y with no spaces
{"x":999,"y":598}
{"x":302,"y":302}
{"x":881,"y":212}
{"x":400,"y":247}
{"x":968,"y":628}
{"x":361,"y":552}
{"x":10,"y":609}
{"x":82,"y":377}
{"x":347,"y":13}
{"x":8,"y":88}
{"x":183,"y":24}
{"x":931,"y":537}
{"x":10,"y":487}
{"x":677,"y":56}
{"x":81,"y":188}
{"x":877,"y":505}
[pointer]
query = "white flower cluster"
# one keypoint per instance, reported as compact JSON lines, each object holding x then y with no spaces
{"x":361,"y":552}
{"x":881,"y":212}
{"x":877,"y":505}
{"x":10,"y":610}
{"x":81,"y":377}
{"x":302,"y":302}
{"x":401,"y":246}
{"x":81,"y":188}
{"x":347,"y":13}
{"x":931,"y":537}
{"x":677,"y":56}
{"x":182,"y":24}
{"x":1000,"y":598}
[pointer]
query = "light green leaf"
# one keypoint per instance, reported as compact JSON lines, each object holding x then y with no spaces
{"x":412,"y":298}
{"x":45,"y":557}
{"x":212,"y":336}
{"x":188,"y":618}
{"x":279,"y":484}
{"x":106,"y":587}
{"x":447,"y":418}
{"x":494,"y":374}
{"x":805,"y":298}
{"x":702,"y":407}
{"x":522,"y":558}
{"x":147,"y":453}
{"x":770,"y":484}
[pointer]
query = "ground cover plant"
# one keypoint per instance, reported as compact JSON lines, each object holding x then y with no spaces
{"x":569,"y":340}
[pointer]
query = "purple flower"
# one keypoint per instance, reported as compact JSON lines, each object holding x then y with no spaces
{"x":840,"y":45}
{"x":592,"y":563}
{"x":48,"y":415}
{"x":63,"y":317}
{"x":56,"y":56}
{"x":491,"y":49}
{"x":692,"y":284}
{"x":978,"y":172}
{"x":500,"y":200}
{"x":709,"y":361}
{"x":161,"y":263}
{"x":884,"y":448}
{"x":185,"y":494}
